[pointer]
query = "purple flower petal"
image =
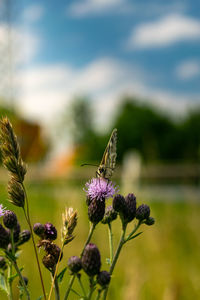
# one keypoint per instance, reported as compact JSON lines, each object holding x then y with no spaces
{"x":2,"y":210}
{"x":99,"y":188}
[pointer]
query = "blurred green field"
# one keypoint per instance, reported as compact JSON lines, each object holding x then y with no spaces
{"x":163,"y":263}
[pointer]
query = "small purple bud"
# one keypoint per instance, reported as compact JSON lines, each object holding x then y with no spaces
{"x":50,"y":232}
{"x":74,"y":264}
{"x":91,"y":260}
{"x":38,"y":229}
{"x":10,"y":219}
{"x":24,"y":237}
{"x":110,"y":215}
{"x":143,"y":212}
{"x":49,"y":261}
{"x":103,"y":278}
{"x":149,"y":221}
{"x":119,"y":204}
{"x":130,"y":201}
{"x":4,"y":237}
{"x":96,"y":210}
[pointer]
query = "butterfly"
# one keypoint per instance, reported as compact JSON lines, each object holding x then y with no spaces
{"x":108,"y":162}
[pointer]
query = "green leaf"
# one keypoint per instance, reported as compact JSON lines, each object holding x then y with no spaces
{"x":61,"y":275}
{"x":134,"y":236}
{"x":11,"y":278}
{"x":3,"y":285}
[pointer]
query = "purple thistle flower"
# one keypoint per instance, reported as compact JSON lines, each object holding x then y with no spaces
{"x":99,"y":188}
{"x":2,"y":210}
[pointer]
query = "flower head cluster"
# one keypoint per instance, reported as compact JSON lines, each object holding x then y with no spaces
{"x":99,"y":188}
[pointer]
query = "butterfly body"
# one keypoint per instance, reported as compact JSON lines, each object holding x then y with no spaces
{"x":108,"y":162}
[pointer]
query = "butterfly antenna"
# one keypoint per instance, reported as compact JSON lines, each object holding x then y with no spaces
{"x":88,"y":165}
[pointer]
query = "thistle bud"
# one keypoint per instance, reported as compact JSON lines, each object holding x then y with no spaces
{"x":142,"y":212}
{"x":4,"y":237}
{"x":96,"y":210}
{"x":119,"y":204}
{"x":130,"y":201}
{"x":110,"y":215}
{"x":38,"y":229}
{"x":50,"y":232}
{"x":3,"y":264}
{"x":16,"y":232}
{"x":91,"y":260}
{"x":103,"y":278}
{"x":149,"y":221}
{"x":49,"y":261}
{"x":10,"y":219}
{"x":74,"y":264}
{"x":24,"y":237}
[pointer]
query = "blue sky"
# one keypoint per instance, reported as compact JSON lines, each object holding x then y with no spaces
{"x":105,"y":49}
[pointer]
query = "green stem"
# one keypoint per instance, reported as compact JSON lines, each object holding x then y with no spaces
{"x":81,"y":285}
{"x":56,"y":288}
{"x":20,"y":276}
{"x":99,"y":294}
{"x":92,"y":227}
{"x":110,"y":234}
{"x":120,"y":245}
{"x":133,"y":231}
{"x":27,"y":216}
{"x":92,"y":288}
{"x":9,"y":282}
{"x":69,"y":287}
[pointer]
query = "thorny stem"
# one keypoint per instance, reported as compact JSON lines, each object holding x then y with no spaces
{"x":120,"y":245}
{"x":87,"y":241}
{"x":27,"y":216}
{"x":55,"y":273}
{"x":98,"y":294}
{"x":133,"y":231}
{"x":69,"y":287}
{"x":110,"y":241}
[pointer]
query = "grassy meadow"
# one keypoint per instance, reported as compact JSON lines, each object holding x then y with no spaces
{"x":162,"y":263}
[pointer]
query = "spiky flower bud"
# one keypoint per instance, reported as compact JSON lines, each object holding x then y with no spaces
{"x":16,"y":232}
{"x":103,"y":278}
{"x":119,"y":204}
{"x":69,"y":224}
{"x":38,"y":229}
{"x":4,"y":237}
{"x":142,"y":212}
{"x":16,"y":192}
{"x":91,"y":260}
{"x":24,"y":237}
{"x":130,"y":201}
{"x":149,"y":221}
{"x":110,"y":215}
{"x":74,"y":264}
{"x":49,"y":261}
{"x":96,"y":210}
{"x":50,"y":232}
{"x":10,"y":219}
{"x":3,"y":264}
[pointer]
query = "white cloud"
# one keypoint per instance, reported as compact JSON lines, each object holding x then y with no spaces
{"x":33,"y":13}
{"x":164,"y":32}
{"x":82,"y":8}
{"x":24,"y":44}
{"x":188,"y":69}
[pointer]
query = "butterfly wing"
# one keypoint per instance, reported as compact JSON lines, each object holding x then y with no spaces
{"x":108,"y":161}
